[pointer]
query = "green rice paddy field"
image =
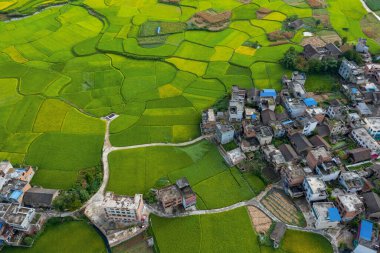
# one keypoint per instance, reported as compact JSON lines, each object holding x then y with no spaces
{"x":139,"y":170}
{"x":68,"y":237}
{"x":227,"y":232}
{"x":66,"y":66}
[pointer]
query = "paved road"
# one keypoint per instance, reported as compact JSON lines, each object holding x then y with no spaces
{"x":369,"y":10}
{"x":182,"y":144}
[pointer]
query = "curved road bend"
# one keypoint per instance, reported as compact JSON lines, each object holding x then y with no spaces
{"x":369,"y":10}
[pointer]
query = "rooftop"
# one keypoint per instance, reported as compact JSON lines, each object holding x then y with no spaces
{"x":321,"y":152}
{"x":224,"y":127}
{"x":364,"y":109}
{"x":366,"y":228}
{"x":351,"y":202}
{"x":316,"y":184}
{"x":309,"y":102}
{"x":14,"y":213}
{"x":373,"y":123}
{"x":268,"y":93}
{"x":118,"y":201}
{"x":168,"y":193}
{"x":326,"y":211}
{"x":352,"y":179}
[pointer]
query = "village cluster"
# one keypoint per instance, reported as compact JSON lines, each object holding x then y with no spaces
{"x":325,"y":152}
{"x":22,"y":206}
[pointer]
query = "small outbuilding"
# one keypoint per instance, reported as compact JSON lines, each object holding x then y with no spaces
{"x":40,"y":197}
{"x":278,"y":233}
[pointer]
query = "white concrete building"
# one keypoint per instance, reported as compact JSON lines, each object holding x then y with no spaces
{"x":328,"y":171}
{"x":224,"y":133}
{"x":236,"y":156}
{"x":351,"y":181}
{"x":308,"y":125}
{"x":365,"y":140}
{"x":315,"y":189}
{"x":236,"y":111}
{"x":372,"y":125}
{"x":16,"y":216}
{"x":123,"y":209}
{"x":351,"y":72}
{"x":349,"y":206}
{"x":326,"y":215}
{"x":264,"y":135}
{"x":5,"y":166}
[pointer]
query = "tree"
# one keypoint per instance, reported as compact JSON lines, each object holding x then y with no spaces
{"x":28,"y":241}
{"x":290,"y":58}
{"x":352,"y":55}
{"x":344,"y":40}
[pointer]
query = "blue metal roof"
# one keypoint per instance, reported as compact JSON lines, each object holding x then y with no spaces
{"x":366,"y":228}
{"x":15,"y":194}
{"x":334,"y":214}
{"x":354,"y":90}
{"x":287,"y":122}
{"x":310,"y":102}
{"x":268,"y":93}
{"x":253,"y":116}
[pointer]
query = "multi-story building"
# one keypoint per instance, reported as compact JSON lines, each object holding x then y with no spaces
{"x":264,"y":135}
{"x":308,"y":124}
{"x":274,"y":156}
{"x":353,"y":93}
{"x":361,"y":46}
{"x":317,"y":156}
{"x":293,"y":176}
{"x":295,"y":107}
{"x":351,"y":181}
{"x":326,"y":215}
{"x":236,"y":111}
{"x":122,"y":209}
{"x":349,"y":206}
{"x":267,"y":99}
{"x":354,"y":120}
{"x":363,"y":109}
{"x":328,"y":171}
{"x":169,"y":197}
{"x":236,"y":105}
{"x":315,"y":189}
{"x":13,"y":190}
{"x":16,"y":216}
{"x":351,"y":72}
{"x":208,"y":123}
{"x":365,"y":140}
{"x":296,"y":84}
{"x":337,"y":127}
{"x":372,"y":125}
{"x":317,"y":113}
{"x":337,"y":111}
{"x":189,"y":198}
{"x":224,"y":133}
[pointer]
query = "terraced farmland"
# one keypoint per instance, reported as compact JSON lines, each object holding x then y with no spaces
{"x":283,"y":208}
{"x":68,"y":65}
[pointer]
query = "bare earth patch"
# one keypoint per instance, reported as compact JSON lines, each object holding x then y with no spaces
{"x":260,"y":221}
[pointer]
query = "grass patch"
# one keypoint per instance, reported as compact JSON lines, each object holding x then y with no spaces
{"x":70,"y":237}
{"x":225,"y":232}
{"x":321,"y":83}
